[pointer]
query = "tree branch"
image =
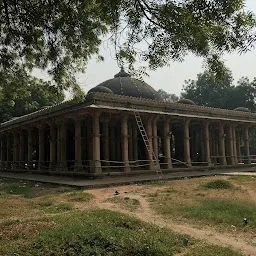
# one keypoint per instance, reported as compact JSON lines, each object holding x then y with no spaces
{"x":6,"y":12}
{"x":146,"y":15}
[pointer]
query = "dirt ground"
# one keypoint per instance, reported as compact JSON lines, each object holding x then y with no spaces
{"x":138,"y":200}
{"x":240,"y":240}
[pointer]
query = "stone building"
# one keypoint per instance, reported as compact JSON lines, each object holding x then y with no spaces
{"x":100,"y":135}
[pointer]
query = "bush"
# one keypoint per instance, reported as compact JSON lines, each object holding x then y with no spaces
{"x":218,"y":184}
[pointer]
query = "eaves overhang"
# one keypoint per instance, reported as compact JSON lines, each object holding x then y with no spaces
{"x":110,"y":102}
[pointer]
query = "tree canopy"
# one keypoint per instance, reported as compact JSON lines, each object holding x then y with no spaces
{"x":30,"y":96}
{"x":60,"y":36}
{"x":207,"y":90}
{"x":171,"y":97}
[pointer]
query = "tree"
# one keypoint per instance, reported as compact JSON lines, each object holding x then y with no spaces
{"x":61,"y":35}
{"x":33,"y":95}
{"x":168,"y":96}
{"x":207,"y":90}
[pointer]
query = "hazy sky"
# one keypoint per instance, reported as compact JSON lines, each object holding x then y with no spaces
{"x":172,"y":78}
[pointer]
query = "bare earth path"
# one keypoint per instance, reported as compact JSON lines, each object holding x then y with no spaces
{"x":146,"y":214}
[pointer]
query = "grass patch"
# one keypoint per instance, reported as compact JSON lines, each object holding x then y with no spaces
{"x":101,"y":232}
{"x":57,"y":208}
{"x":220,"y":212}
{"x":125,"y":202}
{"x":18,"y":190}
{"x":80,"y":196}
{"x":211,"y":250}
{"x":31,"y":189}
{"x":22,"y":230}
{"x":252,"y":244}
{"x":218,"y":184}
{"x":242,"y":178}
{"x":8,"y":223}
{"x":169,"y":191}
{"x":45,"y":202}
{"x":153,"y":194}
{"x":158,"y":183}
{"x":162,"y":193}
{"x":16,"y":207}
{"x":223,"y":211}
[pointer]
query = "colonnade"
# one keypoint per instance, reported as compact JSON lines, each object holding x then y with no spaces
{"x":100,"y":141}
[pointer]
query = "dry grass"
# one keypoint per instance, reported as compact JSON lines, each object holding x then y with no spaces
{"x":125,"y":202}
{"x":40,"y":215}
{"x":222,"y":203}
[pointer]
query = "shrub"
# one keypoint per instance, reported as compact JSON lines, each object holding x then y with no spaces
{"x":218,"y":184}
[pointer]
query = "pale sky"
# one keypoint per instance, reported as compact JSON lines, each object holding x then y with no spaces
{"x":171,"y":78}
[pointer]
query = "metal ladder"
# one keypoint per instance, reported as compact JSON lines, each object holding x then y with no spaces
{"x":144,"y":136}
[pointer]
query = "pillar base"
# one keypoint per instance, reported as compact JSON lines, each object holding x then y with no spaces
{"x":169,"y":166}
{"x":78,"y":166}
{"x":210,"y":164}
{"x":127,"y":169}
{"x":62,"y":167}
{"x":52,"y":165}
{"x":223,"y":162}
{"x":96,"y":168}
{"x":189,"y":165}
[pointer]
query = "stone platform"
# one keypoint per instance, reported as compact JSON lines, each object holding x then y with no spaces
{"x":125,"y":180}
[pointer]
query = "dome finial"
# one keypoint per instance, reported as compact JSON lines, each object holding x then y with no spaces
{"x":122,"y":73}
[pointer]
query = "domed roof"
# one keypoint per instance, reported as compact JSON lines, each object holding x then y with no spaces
{"x":124,"y":84}
{"x":100,"y":89}
{"x":242,"y":109}
{"x":186,"y":101}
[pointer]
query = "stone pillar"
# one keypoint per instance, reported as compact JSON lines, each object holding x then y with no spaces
{"x":167,"y":143}
{"x":223,"y":160}
{"x":78,"y":149}
{"x":130,"y":138}
{"x":2,"y":153}
{"x":155,"y":139}
{"x":238,"y":147}
{"x":217,"y":149}
{"x":63,"y":145}
{"x":150,"y":144}
{"x":207,"y":144}
{"x":202,"y":144}
{"x":234,"y":144}
{"x":193,"y":143}
{"x":22,"y":150}
{"x":96,"y":144}
{"x":125,"y":151}
{"x":230,"y":145}
{"x":246,"y":145}
{"x":112,"y":143}
{"x":8,"y":150}
{"x":15,"y":150}
{"x":89,"y":136}
{"x":187,"y":158}
{"x":30,"y":148}
{"x":118,"y":144}
{"x":212,"y":145}
{"x":58,"y":144}
{"x":52,"y":147}
{"x":41,"y":162}
{"x":106,"y":141}
{"x":135,"y":142}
